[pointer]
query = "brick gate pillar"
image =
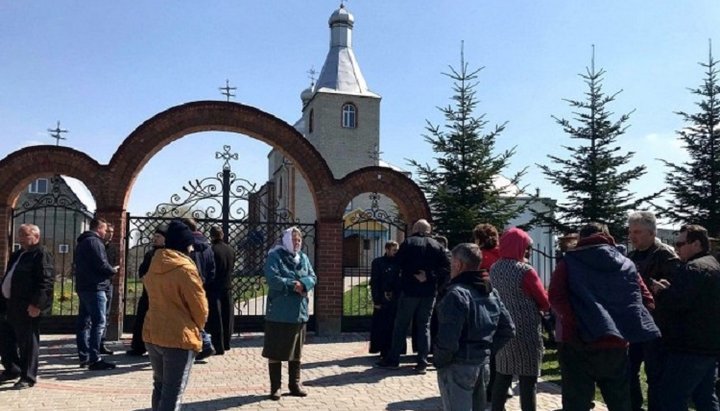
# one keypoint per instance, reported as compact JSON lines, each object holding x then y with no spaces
{"x":118,"y":219}
{"x":329,"y":288}
{"x":5,"y":246}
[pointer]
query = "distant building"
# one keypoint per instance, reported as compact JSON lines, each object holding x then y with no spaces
{"x":53,"y":206}
{"x":341,"y":118}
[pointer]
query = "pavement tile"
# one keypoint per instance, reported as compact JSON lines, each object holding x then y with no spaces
{"x":337,"y":372}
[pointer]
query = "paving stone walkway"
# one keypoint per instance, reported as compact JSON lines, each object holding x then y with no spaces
{"x":337,"y":372}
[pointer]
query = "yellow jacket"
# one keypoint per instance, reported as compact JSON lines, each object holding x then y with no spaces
{"x":178,"y":306}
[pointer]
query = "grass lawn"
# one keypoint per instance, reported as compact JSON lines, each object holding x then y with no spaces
{"x":357,"y":300}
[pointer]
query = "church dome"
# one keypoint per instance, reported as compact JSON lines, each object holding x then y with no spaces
{"x":307,"y":94}
{"x":341,"y":16}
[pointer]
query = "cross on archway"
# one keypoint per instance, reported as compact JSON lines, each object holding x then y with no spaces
{"x":56,"y":133}
{"x":227,"y":90}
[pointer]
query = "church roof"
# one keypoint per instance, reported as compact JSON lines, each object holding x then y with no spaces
{"x":341,"y":72}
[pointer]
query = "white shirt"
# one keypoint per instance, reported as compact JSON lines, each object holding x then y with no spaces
{"x":7,"y":280}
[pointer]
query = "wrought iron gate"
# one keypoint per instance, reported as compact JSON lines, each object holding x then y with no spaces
{"x":252,"y":225}
{"x":365,"y":232}
{"x":51,"y":204}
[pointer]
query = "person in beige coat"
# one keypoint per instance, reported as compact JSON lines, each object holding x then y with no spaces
{"x":178,"y":311}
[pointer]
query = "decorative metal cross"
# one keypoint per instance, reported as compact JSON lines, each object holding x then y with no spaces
{"x":374,"y":154}
{"x":227,"y":156}
{"x":227,"y":90}
{"x":311,"y":75}
{"x":57,"y":133}
{"x":342,"y":3}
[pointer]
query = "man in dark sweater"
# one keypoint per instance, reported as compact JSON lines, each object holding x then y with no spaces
{"x":221,"y":316}
{"x":653,"y":260}
{"x":423,"y":263}
{"x":93,"y":273}
{"x":688,"y":308}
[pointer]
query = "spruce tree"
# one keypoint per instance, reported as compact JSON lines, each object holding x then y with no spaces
{"x":594,"y":177}
{"x":695,"y":184}
{"x":462,"y":189}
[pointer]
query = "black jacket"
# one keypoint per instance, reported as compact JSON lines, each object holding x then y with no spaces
{"x":472,"y":320}
{"x":32,"y":282}
{"x":688,"y":311}
{"x":92,"y":269}
{"x":145,"y":264}
{"x":224,"y":265}
{"x":204,"y":259}
{"x":654,"y":263}
{"x":384,"y":278}
{"x":419,"y":252}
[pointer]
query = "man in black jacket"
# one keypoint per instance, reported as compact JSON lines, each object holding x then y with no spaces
{"x":423,"y":264}
{"x":93,"y":274}
{"x":687,"y":311}
{"x":221,"y":316}
{"x":472,"y":320}
{"x":653,"y":260}
{"x":26,"y":290}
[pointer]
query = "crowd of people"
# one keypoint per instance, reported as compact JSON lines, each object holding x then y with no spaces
{"x":614,"y":311}
{"x":474,"y":312}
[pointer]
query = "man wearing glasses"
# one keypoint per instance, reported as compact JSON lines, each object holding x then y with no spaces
{"x":688,"y":308}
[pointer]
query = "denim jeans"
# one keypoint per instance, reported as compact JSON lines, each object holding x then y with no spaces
{"x":90,"y":324}
{"x":463,"y":386}
{"x":171,"y":371}
{"x":687,"y":376}
{"x":419,"y":310}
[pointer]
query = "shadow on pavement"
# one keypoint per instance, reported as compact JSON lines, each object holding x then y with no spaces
{"x":347,"y":362}
{"x":367,"y":376}
{"x":430,"y":403}
{"x":220,"y":404}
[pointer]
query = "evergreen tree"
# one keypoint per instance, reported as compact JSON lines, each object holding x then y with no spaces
{"x":593,"y":177}
{"x":695,"y":184}
{"x":462,"y":189}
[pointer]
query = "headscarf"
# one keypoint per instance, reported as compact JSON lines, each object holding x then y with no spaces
{"x":513,"y":244}
{"x":286,"y":244}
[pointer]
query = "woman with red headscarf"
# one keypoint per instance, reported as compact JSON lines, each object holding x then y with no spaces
{"x":524,"y":296}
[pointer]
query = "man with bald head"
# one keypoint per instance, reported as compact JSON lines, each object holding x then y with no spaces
{"x":423,"y":264}
{"x":25,"y":291}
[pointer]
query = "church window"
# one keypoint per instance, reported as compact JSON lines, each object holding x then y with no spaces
{"x":311,"y":120}
{"x":39,"y":186}
{"x":349,"y":116}
{"x":280,"y":188}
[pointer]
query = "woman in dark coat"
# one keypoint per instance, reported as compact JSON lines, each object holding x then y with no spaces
{"x":289,"y":277}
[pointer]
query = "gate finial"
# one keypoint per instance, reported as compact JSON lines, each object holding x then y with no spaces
{"x":227,"y":156}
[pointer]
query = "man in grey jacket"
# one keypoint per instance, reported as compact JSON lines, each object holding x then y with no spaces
{"x":472,"y":320}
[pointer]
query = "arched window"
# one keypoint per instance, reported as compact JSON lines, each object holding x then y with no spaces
{"x":311,"y":120}
{"x":349,"y":115}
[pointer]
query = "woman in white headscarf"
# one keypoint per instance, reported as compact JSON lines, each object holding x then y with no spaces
{"x":289,"y":277}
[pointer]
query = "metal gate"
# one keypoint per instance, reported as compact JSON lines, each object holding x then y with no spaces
{"x":252,"y":225}
{"x":365,"y":232}
{"x":51,"y":204}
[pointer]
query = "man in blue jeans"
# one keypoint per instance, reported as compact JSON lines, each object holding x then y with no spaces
{"x":423,"y":264}
{"x":472,"y":320}
{"x":92,"y":282}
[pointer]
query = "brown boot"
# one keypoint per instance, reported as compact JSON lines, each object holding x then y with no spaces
{"x":275,"y":369}
{"x":296,"y":389}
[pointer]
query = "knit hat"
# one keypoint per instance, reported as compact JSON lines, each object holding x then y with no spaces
{"x":161,"y":229}
{"x":178,"y":236}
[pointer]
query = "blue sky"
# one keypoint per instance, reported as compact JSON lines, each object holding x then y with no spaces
{"x":102,"y":68}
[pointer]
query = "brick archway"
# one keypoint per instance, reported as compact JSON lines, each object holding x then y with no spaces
{"x":164,"y":128}
{"x":111,"y":185}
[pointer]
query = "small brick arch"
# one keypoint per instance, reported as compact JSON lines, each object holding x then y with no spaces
{"x":395,"y":185}
{"x":162,"y":129}
{"x":23,"y":166}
